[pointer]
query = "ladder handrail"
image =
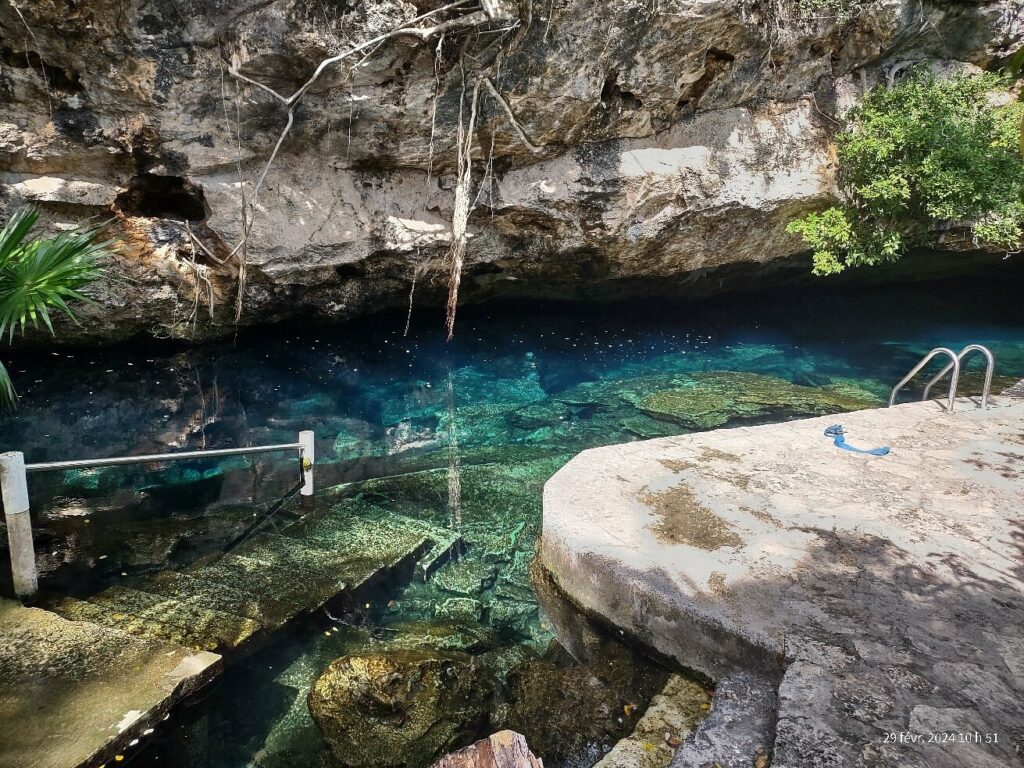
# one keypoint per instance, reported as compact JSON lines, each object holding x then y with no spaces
{"x":990,"y":369}
{"x":924,"y":361}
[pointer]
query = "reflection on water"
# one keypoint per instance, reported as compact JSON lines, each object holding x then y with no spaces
{"x":460,"y":435}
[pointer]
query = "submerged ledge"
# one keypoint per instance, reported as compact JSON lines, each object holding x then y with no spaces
{"x":885,"y":593}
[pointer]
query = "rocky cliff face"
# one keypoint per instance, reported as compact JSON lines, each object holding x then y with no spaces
{"x":625,"y":145}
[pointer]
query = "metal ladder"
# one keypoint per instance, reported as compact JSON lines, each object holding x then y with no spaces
{"x":954,"y":365}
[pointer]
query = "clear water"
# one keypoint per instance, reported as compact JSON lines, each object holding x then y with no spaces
{"x":463,"y":434}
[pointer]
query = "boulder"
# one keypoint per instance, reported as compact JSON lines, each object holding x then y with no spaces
{"x":505,"y":749}
{"x":574,"y":714}
{"x":399,"y":708}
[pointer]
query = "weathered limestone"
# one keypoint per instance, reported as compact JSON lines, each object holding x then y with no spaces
{"x":738,"y":730}
{"x":675,"y":140}
{"x":671,"y":717}
{"x":74,"y":693}
{"x":887,"y":591}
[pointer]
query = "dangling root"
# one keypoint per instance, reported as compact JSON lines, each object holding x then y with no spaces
{"x":454,"y":463}
{"x":419,"y":270}
{"x":461,"y":209}
{"x":433,"y":108}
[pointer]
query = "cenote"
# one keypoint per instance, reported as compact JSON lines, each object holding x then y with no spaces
{"x":460,"y":436}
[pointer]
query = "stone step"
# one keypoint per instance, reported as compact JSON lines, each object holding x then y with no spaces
{"x":187,"y":621}
{"x":314,"y":562}
{"x":77,"y":693}
{"x":318,"y":565}
{"x":73,"y":609}
{"x":330,"y":530}
{"x":226,"y":597}
{"x":259,"y":580}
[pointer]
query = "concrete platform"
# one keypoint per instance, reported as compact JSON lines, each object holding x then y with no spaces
{"x":83,"y":679}
{"x":885,"y":594}
{"x":73,"y":693}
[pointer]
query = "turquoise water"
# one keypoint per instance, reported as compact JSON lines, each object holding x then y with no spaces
{"x":461,"y":434}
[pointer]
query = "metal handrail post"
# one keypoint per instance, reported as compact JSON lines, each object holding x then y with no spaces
{"x":14,"y":488}
{"x":990,"y":369}
{"x":307,"y":457}
{"x":924,"y":361}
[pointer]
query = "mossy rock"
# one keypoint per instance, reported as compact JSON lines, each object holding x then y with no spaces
{"x":400,"y":708}
{"x":439,"y":636}
{"x":712,"y":399}
{"x":569,"y":712}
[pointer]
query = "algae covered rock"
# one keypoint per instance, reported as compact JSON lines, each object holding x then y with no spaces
{"x":710,"y":399}
{"x":440,"y":636}
{"x":401,"y":708}
{"x":671,"y":717}
{"x":573,"y":712}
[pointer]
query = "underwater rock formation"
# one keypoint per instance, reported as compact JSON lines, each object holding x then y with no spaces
{"x":581,"y":710}
{"x":398,"y":708}
{"x":714,"y":398}
{"x":626,"y":146}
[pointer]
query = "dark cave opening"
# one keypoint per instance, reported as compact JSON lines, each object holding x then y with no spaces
{"x":162,"y":197}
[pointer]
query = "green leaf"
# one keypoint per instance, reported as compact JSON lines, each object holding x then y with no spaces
{"x":8,"y":397}
{"x":918,"y":156}
{"x":42,"y":275}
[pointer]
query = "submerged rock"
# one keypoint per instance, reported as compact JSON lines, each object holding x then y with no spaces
{"x":505,"y":749}
{"x":439,"y":636}
{"x":466,"y":576}
{"x":401,"y":708}
{"x":671,"y":717}
{"x":578,"y":712}
{"x":711,"y":399}
{"x":459,"y":609}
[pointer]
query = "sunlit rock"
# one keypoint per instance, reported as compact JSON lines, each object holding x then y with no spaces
{"x":398,"y":708}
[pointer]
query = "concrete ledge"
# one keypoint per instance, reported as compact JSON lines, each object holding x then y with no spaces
{"x":888,"y":592}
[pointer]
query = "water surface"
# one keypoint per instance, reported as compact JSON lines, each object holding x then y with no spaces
{"x":462,"y":434}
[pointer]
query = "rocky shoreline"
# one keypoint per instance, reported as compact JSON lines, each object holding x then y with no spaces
{"x":661,"y":145}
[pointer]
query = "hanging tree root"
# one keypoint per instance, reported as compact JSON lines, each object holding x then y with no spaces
{"x":408,"y":29}
{"x":492,"y":11}
{"x":464,"y":161}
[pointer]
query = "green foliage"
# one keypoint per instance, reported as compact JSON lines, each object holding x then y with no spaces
{"x":42,"y":275}
{"x":925,"y":154}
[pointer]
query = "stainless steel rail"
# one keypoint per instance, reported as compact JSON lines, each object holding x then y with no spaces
{"x":955,"y":364}
{"x":14,"y":490}
{"x":990,"y":369}
{"x":46,"y":466}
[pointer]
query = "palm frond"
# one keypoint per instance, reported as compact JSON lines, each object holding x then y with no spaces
{"x":8,"y":397}
{"x":16,"y":229}
{"x":41,"y":275}
{"x":45,"y":274}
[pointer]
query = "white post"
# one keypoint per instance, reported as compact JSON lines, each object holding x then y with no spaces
{"x":14,"y":488}
{"x":307,"y":458}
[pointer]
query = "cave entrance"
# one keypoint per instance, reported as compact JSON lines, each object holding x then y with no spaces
{"x":162,"y":197}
